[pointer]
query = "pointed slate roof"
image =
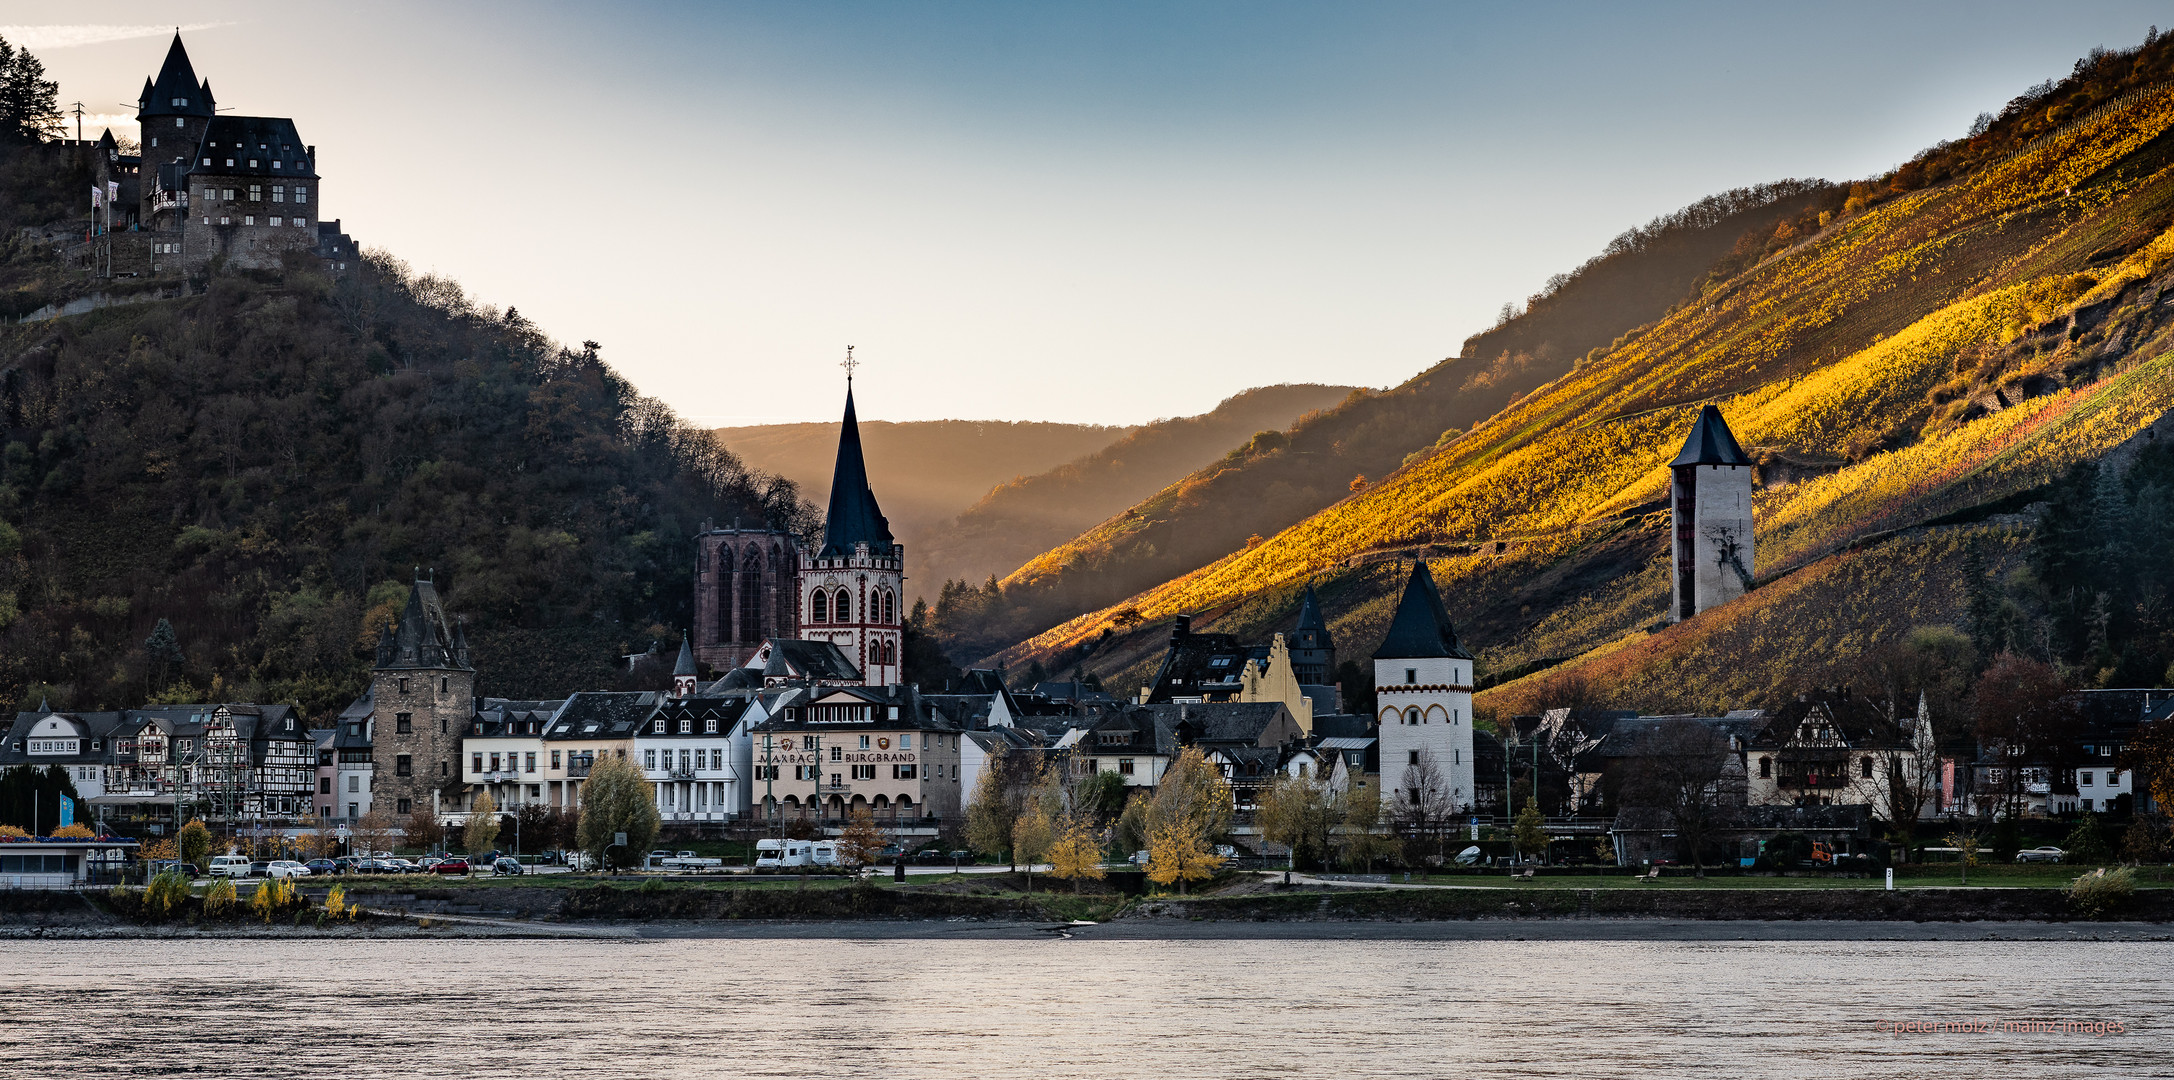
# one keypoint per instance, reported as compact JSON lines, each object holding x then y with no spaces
{"x":854,"y":516}
{"x":177,"y":81}
{"x":686,"y":658}
{"x":422,"y":638}
{"x":1312,"y":631}
{"x":1421,"y":628}
{"x":1711,"y":442}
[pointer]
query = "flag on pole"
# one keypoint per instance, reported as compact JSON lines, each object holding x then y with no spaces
{"x":96,"y":196}
{"x":113,"y":192}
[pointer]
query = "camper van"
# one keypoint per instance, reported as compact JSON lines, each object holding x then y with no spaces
{"x":824,"y":853}
{"x":778,"y":854}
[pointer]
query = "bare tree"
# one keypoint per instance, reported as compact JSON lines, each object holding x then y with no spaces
{"x":1683,"y":769}
{"x":1423,"y":805}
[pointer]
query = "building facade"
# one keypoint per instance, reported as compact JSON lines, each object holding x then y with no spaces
{"x":851,"y":587}
{"x":746,"y":591}
{"x":1709,"y":499}
{"x":422,"y":697}
{"x":1423,"y":691}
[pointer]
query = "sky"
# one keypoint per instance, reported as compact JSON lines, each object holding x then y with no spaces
{"x":1082,"y":212}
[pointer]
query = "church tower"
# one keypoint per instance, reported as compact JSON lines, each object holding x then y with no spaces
{"x":1709,"y":498}
{"x":1423,"y":685}
{"x":850,"y":588}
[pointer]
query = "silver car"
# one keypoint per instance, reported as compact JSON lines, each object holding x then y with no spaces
{"x":2040,"y":854}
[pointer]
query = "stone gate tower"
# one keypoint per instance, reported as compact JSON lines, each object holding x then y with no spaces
{"x":422,"y":694}
{"x":1709,"y":499}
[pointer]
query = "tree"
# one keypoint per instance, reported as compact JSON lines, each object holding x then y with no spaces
{"x":163,"y":655}
{"x":1682,"y":769}
{"x":423,"y":830}
{"x":30,"y":797}
{"x":860,"y":843}
{"x":2087,"y":842}
{"x":617,"y":799}
{"x":371,"y":833}
{"x":2025,"y":718}
{"x":1189,"y":812}
{"x":1101,"y":796}
{"x":1299,"y":813}
{"x":1423,"y":805}
{"x":1077,"y":854}
{"x":481,"y":832}
{"x":1359,"y":840}
{"x":1530,"y":834}
{"x":2150,"y":755}
{"x":195,"y":843}
{"x":29,"y":102}
{"x":1033,"y":833}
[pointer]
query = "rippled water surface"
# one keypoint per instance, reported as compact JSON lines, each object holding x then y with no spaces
{"x":1072,"y":1008}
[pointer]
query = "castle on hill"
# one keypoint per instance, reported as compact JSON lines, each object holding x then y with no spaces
{"x":204,"y":186}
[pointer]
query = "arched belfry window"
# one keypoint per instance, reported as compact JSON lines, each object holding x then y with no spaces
{"x":819,"y":611}
{"x":845,"y":606}
{"x":751,"y":596}
{"x":722,"y":585}
{"x":890,"y":607}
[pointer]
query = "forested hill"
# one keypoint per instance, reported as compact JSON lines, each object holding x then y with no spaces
{"x":1956,"y":384}
{"x":266,"y":463}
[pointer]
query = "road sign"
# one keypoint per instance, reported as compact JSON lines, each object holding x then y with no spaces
{"x":342,"y":834}
{"x":619,"y":839}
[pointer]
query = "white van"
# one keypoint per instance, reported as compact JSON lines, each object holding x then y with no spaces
{"x":229,"y":866}
{"x":778,"y":854}
{"x":824,"y":853}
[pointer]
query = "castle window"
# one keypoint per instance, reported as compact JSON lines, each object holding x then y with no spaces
{"x":181,"y":102}
{"x":1766,"y":768}
{"x":1413,"y":760}
{"x":275,"y":223}
{"x":443,"y":684}
{"x":252,"y":164}
{"x":279,"y":191}
{"x":275,"y":165}
{"x":406,"y":807}
{"x":1411,"y":676}
{"x":404,"y":723}
{"x":249,"y":219}
{"x":403,"y":765}
{"x":301,"y":194}
{"x":820,"y":612}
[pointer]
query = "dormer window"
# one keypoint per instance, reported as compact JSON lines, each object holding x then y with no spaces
{"x":658,"y":727}
{"x":686,"y":727}
{"x":181,"y":102}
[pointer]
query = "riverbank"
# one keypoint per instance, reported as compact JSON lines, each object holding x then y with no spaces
{"x":1241,"y":906}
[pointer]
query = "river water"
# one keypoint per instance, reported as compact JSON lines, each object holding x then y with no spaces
{"x":1045,"y":1009}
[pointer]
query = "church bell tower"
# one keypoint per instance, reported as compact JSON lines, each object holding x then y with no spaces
{"x":851,"y":587}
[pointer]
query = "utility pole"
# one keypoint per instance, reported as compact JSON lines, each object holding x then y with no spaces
{"x":79,"y":122}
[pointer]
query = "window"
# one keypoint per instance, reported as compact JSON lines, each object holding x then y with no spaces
{"x":837,"y":753}
{"x":279,"y":193}
{"x":528,"y":763}
{"x":300,"y":222}
{"x":324,"y":785}
{"x":905,"y":741}
{"x":902,"y":772}
{"x":301,"y":194}
{"x":807,"y":742}
{"x":478,"y":764}
{"x":275,"y":164}
{"x":223,"y":220}
{"x":1411,"y":676}
{"x":1411,"y":716}
{"x":657,"y":727}
{"x":1414,"y":759}
{"x":1766,"y":768}
{"x":844,"y":607}
{"x":1124,"y":766}
{"x":709,"y":726}
{"x":554,"y":759}
{"x":441,"y":725}
{"x":403,"y":765}
{"x":354,"y":783}
{"x":820,"y":609}
{"x":864,"y":772}
{"x":406,"y":807}
{"x":864,"y":742}
{"x":649,"y":759}
{"x":275,"y":222}
{"x":256,"y":191}
{"x":403,"y":686}
{"x":686,"y":726}
{"x":443,"y":682}
{"x":1864,"y":768}
{"x":2083,"y":779}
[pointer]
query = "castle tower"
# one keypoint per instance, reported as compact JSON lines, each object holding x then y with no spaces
{"x":1423,"y":684}
{"x":1313,"y":654}
{"x":851,"y":587}
{"x":422,"y":694}
{"x":173,"y":110}
{"x":683,"y":672}
{"x":1709,"y":498}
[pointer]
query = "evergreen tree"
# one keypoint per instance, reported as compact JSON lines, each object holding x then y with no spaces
{"x":29,"y":102}
{"x":163,"y":651}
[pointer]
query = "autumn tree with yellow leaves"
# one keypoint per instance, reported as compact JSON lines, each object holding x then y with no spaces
{"x":1190,"y":811}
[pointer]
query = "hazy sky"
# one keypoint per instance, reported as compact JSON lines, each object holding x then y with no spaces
{"x":1094,"y":212}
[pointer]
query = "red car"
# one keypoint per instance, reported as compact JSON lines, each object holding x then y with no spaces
{"x":451,"y":866}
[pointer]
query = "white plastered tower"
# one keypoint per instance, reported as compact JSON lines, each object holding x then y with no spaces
{"x":1423,"y":699}
{"x":1709,"y":499}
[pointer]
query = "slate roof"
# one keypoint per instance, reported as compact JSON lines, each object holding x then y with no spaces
{"x":685,"y":666}
{"x":725,"y":710}
{"x":263,"y":140}
{"x":1421,"y":628}
{"x":796,"y":658}
{"x":176,"y":79}
{"x":1312,"y":631}
{"x":1241,"y":723}
{"x":789,"y":712}
{"x":1711,"y":442}
{"x":854,"y":517}
{"x":422,"y":639}
{"x":601,"y":715}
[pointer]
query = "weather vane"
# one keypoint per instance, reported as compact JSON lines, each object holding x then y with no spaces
{"x":849,"y":363}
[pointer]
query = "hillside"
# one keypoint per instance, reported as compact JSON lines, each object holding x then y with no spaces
{"x":1266,"y":484}
{"x":263,"y":464}
{"x":1961,"y":338}
{"x":925,"y":472}
{"x":1028,"y":515}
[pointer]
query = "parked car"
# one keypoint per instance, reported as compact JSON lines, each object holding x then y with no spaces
{"x":428,"y":863}
{"x":230,"y":866}
{"x":160,"y":866}
{"x":282,"y":868}
{"x":962,"y":856}
{"x":930,"y":857}
{"x":391,"y":865}
{"x":487,"y":858}
{"x":507,"y":868}
{"x":2041,"y":854}
{"x":259,"y":868}
{"x":688,"y":860}
{"x":450,"y":866}
{"x":325,"y":866}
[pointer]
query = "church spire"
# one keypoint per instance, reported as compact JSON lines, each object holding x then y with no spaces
{"x":1420,"y":629}
{"x":177,"y":91}
{"x":854,"y":517}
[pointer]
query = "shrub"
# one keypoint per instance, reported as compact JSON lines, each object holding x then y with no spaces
{"x":273,"y":896}
{"x":336,"y":904}
{"x":219,"y":899}
{"x":167,"y":894}
{"x":2101,"y":893}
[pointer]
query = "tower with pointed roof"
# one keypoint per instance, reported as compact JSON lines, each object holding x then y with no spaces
{"x":852,"y":587}
{"x":1709,"y":499}
{"x":422,"y":694}
{"x":174,"y":108}
{"x":683,"y":673}
{"x":1313,"y":653}
{"x":1423,"y":693}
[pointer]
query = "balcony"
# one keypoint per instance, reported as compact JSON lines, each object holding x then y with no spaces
{"x":578,"y":770}
{"x":503,"y":776}
{"x":681,"y":774}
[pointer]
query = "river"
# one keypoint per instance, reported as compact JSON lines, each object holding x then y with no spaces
{"x":966,"y":1009}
